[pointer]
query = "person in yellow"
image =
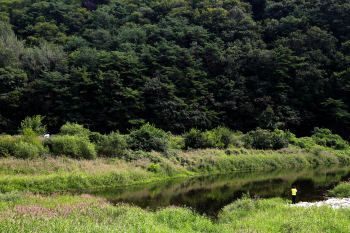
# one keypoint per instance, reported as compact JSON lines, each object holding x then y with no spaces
{"x":294,"y":194}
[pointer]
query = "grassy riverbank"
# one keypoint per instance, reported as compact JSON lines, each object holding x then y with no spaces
{"x":36,"y":213}
{"x":48,"y":174}
{"x":341,"y":190}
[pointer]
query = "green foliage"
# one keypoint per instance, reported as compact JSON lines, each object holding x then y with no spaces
{"x":13,"y":196}
{"x":266,"y":139}
{"x":324,"y":137}
{"x":153,"y":168}
{"x":341,"y":190}
{"x":149,"y":138}
{"x":227,"y":137}
{"x":197,"y":139}
{"x":35,"y":124}
{"x":305,"y":142}
{"x":25,"y":150}
{"x":181,"y":65}
{"x":74,"y":129}
{"x":73,"y":146}
{"x":112,"y":145}
{"x":177,"y":142}
{"x":7,"y":145}
{"x":95,"y":137}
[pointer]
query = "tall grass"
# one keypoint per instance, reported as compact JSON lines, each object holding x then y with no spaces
{"x":89,"y":214}
{"x":46,"y":174}
{"x":341,"y":190}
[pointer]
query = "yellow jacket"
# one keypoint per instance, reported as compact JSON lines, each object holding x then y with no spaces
{"x":294,"y":192}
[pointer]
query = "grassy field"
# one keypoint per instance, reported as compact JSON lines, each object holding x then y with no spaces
{"x":40,"y":213}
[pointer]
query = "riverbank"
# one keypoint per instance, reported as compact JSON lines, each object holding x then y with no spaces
{"x":84,"y":213}
{"x":48,"y":174}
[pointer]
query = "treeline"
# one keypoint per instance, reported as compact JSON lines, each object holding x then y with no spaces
{"x":77,"y":142}
{"x":115,"y":65}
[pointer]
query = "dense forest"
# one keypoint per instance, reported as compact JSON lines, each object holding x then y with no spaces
{"x":178,"y":64}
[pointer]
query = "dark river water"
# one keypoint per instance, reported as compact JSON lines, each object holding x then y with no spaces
{"x":210,"y":193}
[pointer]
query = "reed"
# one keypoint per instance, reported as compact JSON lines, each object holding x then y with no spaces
{"x":40,"y":213}
{"x":48,"y":174}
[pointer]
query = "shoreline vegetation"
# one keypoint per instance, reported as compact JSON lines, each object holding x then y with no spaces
{"x":78,"y":159}
{"x":84,"y":213}
{"x":32,"y":167}
{"x":48,"y":174}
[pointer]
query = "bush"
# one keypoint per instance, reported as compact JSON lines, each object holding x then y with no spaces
{"x":265,"y":139}
{"x":305,"y":142}
{"x":113,"y":144}
{"x":95,"y":137}
{"x":74,"y":129}
{"x":7,"y":145}
{"x":25,"y":150}
{"x":341,"y":190}
{"x":177,"y":142}
{"x":33,"y":123}
{"x":324,"y":137}
{"x":279,"y":140}
{"x":197,"y":139}
{"x":153,"y":168}
{"x":73,"y":146}
{"x":149,"y":138}
{"x":227,"y":137}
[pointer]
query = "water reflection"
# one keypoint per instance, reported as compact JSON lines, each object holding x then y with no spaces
{"x":208,"y":194}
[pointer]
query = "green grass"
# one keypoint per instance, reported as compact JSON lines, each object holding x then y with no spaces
{"x":341,"y":190}
{"x":37,"y":213}
{"x":47,"y":174}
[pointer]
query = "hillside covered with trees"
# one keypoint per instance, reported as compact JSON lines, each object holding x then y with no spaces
{"x":178,"y":64}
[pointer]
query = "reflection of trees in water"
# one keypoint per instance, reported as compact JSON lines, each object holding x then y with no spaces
{"x":210,"y":193}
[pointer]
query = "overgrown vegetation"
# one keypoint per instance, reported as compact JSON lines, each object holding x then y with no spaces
{"x":89,"y":214}
{"x":78,"y":142}
{"x":341,"y":190}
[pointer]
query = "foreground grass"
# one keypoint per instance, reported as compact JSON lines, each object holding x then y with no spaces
{"x":47,"y":175}
{"x":36,"y":213}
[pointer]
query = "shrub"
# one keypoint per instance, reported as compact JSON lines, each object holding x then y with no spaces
{"x":227,"y":137}
{"x":29,"y":136}
{"x":265,"y":139}
{"x":279,"y":139}
{"x":73,"y":146}
{"x":47,"y":142}
{"x":7,"y":145}
{"x":232,"y":152}
{"x":113,"y":144}
{"x":238,"y":140}
{"x":305,"y":142}
{"x":341,"y":190}
{"x":292,"y":139}
{"x":130,"y":155}
{"x":74,"y":129}
{"x":324,"y":137}
{"x":95,"y":137}
{"x":25,"y":150}
{"x":149,"y":138}
{"x":33,"y":123}
{"x":153,"y":167}
{"x":197,"y":139}
{"x":317,"y":150}
{"x":177,"y":142}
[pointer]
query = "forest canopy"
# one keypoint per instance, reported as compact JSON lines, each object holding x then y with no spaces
{"x":178,"y":64}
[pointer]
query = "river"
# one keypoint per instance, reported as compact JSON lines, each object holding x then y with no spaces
{"x":208,"y":194}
